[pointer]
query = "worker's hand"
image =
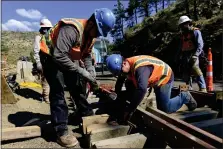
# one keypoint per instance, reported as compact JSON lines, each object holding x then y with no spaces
{"x":94,"y":87}
{"x":39,"y":67}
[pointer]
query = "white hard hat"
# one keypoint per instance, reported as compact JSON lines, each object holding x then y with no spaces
{"x":184,"y":19}
{"x":45,"y":23}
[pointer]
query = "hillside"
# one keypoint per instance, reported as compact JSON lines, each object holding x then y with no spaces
{"x":159,"y":35}
{"x":16,"y":44}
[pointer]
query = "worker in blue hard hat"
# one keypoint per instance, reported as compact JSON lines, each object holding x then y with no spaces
{"x":62,"y":49}
{"x":145,"y":71}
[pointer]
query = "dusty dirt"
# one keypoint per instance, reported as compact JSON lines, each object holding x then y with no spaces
{"x":28,"y":107}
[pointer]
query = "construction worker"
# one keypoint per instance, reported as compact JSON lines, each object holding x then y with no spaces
{"x":146,"y":71}
{"x":45,"y":25}
{"x":62,"y":49}
{"x":191,"y":47}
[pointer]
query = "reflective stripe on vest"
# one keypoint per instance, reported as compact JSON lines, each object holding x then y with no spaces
{"x":187,"y":40}
{"x":146,"y":61}
{"x":48,"y":41}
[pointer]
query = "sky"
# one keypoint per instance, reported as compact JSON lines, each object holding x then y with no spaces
{"x":25,"y":15}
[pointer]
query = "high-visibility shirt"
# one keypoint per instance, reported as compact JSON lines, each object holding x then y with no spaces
{"x":161,"y":73}
{"x":188,"y":41}
{"x":48,"y":41}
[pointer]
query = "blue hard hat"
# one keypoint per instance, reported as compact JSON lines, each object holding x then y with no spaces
{"x":105,"y":20}
{"x":114,"y":63}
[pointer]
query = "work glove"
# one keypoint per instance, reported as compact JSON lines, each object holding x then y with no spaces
{"x":88,"y":77}
{"x":92,"y":72}
{"x":39,"y":67}
{"x":81,"y":63}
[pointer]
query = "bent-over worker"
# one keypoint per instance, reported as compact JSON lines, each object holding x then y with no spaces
{"x":146,"y":71}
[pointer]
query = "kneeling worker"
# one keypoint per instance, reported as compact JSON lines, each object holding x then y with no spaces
{"x":147,"y":71}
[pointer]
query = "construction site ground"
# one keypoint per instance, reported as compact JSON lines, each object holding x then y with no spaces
{"x":30,"y":106}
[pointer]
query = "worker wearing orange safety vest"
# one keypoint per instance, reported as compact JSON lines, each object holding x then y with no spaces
{"x":191,"y":47}
{"x":146,"y":71}
{"x":62,"y":49}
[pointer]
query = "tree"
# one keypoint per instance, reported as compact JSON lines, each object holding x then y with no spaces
{"x":187,"y":7}
{"x":195,"y":10}
{"x":144,"y":8}
{"x":118,"y":32}
{"x":132,"y":12}
{"x":163,"y":3}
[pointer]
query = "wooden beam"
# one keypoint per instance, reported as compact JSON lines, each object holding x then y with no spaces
{"x":212,"y":126}
{"x":199,"y":114}
{"x":20,"y":132}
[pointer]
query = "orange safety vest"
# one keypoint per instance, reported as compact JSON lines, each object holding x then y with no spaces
{"x":161,"y":71}
{"x":188,"y":41}
{"x":48,"y":41}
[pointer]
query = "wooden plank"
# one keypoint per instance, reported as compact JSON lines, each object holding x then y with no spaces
{"x":198,"y":114}
{"x":129,"y":141}
{"x":96,"y":119}
{"x":212,"y":126}
{"x":20,"y":132}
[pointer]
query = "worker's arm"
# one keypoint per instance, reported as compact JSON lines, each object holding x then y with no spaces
{"x":142,"y":75}
{"x":36,"y":48}
{"x":199,"y":42}
{"x":67,"y":37}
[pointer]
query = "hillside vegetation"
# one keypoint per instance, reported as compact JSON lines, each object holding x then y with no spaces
{"x":159,"y":35}
{"x":16,"y":44}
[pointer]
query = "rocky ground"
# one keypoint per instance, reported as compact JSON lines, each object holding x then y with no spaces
{"x":30,"y":106}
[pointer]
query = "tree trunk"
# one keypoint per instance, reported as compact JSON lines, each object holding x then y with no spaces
{"x":156,"y":6}
{"x":135,"y":15}
{"x":163,"y":4}
{"x":146,"y":10}
{"x":195,"y":10}
{"x":187,"y":7}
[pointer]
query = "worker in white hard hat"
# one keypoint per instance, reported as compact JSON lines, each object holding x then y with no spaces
{"x":45,"y":25}
{"x":191,"y":47}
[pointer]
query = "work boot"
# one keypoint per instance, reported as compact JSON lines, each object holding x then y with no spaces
{"x":67,"y":140}
{"x":191,"y":104}
{"x":203,"y":90}
{"x":89,"y":112}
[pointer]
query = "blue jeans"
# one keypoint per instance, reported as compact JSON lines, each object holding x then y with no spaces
{"x":167,"y":104}
{"x":58,"y":106}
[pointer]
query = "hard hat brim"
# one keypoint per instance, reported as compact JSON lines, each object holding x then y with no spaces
{"x":45,"y":26}
{"x":189,"y":20}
